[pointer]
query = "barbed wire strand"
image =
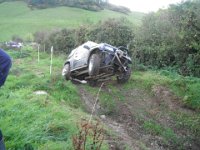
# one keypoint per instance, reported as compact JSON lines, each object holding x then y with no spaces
{"x":96,"y":100}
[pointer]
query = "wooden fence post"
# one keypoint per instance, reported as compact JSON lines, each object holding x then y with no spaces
{"x":38,"y":53}
{"x":51,"y":60}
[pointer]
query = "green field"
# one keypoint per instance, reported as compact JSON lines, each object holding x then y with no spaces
{"x":31,"y":121}
{"x":155,"y":109}
{"x":39,"y":121}
{"x":18,"y":19}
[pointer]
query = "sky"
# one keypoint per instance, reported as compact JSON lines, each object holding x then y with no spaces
{"x":144,"y":5}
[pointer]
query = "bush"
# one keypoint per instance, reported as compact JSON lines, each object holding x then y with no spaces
{"x":17,"y":39}
{"x":120,"y":9}
{"x":41,"y":36}
{"x":84,"y":4}
{"x":62,"y":41}
{"x":170,"y":38}
{"x":117,"y":32}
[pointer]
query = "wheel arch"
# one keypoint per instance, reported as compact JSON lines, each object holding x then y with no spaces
{"x":95,"y":50}
{"x":67,"y":62}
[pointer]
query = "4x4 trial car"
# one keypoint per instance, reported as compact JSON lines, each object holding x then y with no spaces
{"x":92,"y":62}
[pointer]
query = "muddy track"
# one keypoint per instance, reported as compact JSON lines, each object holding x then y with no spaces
{"x":119,"y":129}
{"x":127,"y":121}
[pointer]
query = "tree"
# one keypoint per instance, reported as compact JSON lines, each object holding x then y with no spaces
{"x":171,"y":37}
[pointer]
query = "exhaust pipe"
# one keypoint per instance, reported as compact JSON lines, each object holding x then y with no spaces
{"x":80,"y":81}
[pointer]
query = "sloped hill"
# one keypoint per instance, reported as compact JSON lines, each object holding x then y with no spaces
{"x":18,"y":19}
{"x":38,"y":121}
{"x":145,"y":113}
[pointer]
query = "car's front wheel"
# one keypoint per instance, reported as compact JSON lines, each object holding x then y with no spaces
{"x":66,"y":71}
{"x":94,"y":65}
{"x":124,"y":77}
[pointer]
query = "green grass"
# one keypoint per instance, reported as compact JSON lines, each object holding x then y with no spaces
{"x":107,"y":98}
{"x":157,"y":129}
{"x":188,"y":122}
{"x":31,"y":121}
{"x":49,"y":121}
{"x":112,"y":95}
{"x":187,"y":88}
{"x":188,"y":91}
{"x":17,"y":19}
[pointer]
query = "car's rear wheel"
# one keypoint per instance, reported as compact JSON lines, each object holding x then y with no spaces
{"x":124,"y":77}
{"x":66,"y":71}
{"x":94,"y":65}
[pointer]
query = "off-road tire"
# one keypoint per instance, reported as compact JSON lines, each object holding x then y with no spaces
{"x":94,"y":65}
{"x":66,"y":71}
{"x":124,"y":77}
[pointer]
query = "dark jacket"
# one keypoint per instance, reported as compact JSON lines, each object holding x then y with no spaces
{"x":5,"y":64}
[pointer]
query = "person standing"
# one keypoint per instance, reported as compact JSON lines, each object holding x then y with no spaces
{"x":5,"y":65}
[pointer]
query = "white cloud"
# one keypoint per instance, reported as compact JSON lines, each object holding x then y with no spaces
{"x":144,"y":5}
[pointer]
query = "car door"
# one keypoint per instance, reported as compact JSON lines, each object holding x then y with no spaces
{"x":80,"y":57}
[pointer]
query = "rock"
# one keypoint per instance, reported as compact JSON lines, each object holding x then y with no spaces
{"x":103,"y":117}
{"x":40,"y":93}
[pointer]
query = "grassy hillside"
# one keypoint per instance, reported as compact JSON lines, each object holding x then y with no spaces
{"x":17,"y":19}
{"x":31,"y":121}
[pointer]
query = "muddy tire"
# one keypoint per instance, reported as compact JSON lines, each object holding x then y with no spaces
{"x":66,"y":71}
{"x":94,"y":65}
{"x":124,"y":77}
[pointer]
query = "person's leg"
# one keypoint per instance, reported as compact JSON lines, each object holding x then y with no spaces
{"x":2,"y":146}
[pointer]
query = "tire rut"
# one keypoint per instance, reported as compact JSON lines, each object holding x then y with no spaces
{"x":127,"y":121}
{"x":121,"y":138}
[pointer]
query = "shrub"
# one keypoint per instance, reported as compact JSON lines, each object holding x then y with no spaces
{"x":120,"y":9}
{"x":17,"y":38}
{"x":170,"y":38}
{"x":117,"y":32}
